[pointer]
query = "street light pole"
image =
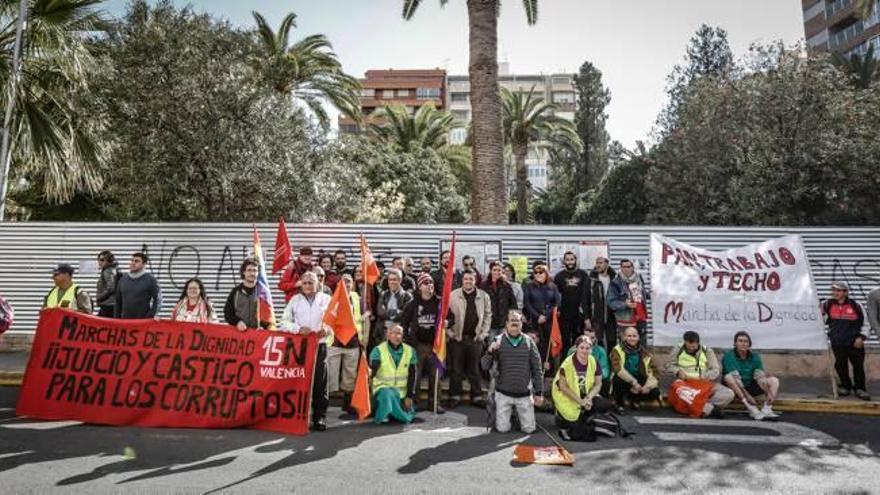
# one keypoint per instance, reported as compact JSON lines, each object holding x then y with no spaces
{"x":5,"y":152}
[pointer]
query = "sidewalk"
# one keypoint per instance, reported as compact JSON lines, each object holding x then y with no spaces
{"x":798,"y":394}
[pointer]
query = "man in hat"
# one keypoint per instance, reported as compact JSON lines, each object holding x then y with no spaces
{"x":845,"y":318}
{"x":65,"y":293}
{"x":289,"y":282}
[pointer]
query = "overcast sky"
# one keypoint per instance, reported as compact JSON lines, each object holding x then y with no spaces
{"x":635,"y":43}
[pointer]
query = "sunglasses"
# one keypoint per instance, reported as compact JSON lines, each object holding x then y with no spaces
{"x":540,"y":272}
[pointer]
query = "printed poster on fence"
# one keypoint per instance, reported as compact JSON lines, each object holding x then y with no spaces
{"x":168,"y":374}
{"x":763,"y":288}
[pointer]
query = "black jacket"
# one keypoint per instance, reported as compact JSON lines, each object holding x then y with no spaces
{"x":598,"y":304}
{"x":503,"y":300}
{"x":574,"y":288}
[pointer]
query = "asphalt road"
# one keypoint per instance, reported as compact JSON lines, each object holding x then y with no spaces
{"x":451,"y":453}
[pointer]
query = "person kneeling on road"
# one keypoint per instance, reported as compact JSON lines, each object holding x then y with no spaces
{"x":635,"y":376}
{"x":601,"y":356}
{"x":693,"y":361}
{"x":393,"y":364}
{"x":519,"y":365}
{"x":576,"y":393}
{"x":744,"y":373}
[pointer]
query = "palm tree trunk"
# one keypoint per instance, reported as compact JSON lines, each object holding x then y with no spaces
{"x":522,"y":182}
{"x":489,"y":188}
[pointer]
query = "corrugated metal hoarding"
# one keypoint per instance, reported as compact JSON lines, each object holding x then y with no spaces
{"x":213,"y":251}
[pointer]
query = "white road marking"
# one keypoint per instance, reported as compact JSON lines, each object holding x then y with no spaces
{"x":787,"y":433}
{"x":13,"y":454}
{"x":42,"y":425}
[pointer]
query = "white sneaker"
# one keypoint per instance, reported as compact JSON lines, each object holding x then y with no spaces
{"x":768,"y":412}
{"x":754,"y":412}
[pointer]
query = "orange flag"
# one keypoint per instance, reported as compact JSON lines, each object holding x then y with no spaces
{"x":360,"y":398}
{"x":368,"y":263}
{"x":555,"y":336}
{"x":339,"y":315}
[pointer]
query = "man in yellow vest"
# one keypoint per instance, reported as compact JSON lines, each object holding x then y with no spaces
{"x":67,"y":294}
{"x":693,"y":361}
{"x":393,"y":364}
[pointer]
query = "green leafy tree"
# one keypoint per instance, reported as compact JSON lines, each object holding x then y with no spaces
{"x":863,"y":70}
{"x":489,"y":171}
{"x":54,"y":152}
{"x":529,"y":120}
{"x":193,"y":135}
{"x":708,"y":55}
{"x":308,"y":69}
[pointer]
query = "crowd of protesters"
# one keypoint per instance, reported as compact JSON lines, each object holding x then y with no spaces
{"x":498,"y":332}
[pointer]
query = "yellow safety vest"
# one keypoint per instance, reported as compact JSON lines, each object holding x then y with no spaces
{"x":621,"y":356}
{"x":567,"y":408}
{"x":390,"y":376}
{"x":693,"y":367}
{"x":68,"y":300}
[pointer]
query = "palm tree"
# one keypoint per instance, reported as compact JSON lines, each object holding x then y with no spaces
{"x":50,"y":143}
{"x":307,"y":69}
{"x":488,"y":149}
{"x":863,"y":70}
{"x":530,"y":120}
{"x":427,"y":128}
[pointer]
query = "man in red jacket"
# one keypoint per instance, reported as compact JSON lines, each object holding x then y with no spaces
{"x":289,"y":282}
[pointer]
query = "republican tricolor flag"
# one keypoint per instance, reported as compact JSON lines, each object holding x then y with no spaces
{"x":439,"y":332}
{"x":265,"y":309}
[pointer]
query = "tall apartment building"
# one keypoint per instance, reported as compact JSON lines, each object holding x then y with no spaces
{"x":832,"y":25}
{"x":558,"y":88}
{"x":411,"y":88}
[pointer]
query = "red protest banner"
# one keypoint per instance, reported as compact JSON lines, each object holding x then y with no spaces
{"x":167,"y":374}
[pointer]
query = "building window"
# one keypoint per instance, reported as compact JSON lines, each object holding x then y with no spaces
{"x":368,"y":92}
{"x":459,"y":97}
{"x":563,"y":97}
{"x":427,"y":93}
{"x":403,"y":93}
{"x":461,"y":114}
{"x":561,"y":80}
{"x":458,"y":136}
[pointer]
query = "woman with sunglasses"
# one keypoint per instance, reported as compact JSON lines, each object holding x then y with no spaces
{"x":540,"y":298}
{"x":105,"y":295}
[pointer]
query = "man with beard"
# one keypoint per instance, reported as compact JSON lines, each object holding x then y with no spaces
{"x":339,"y":264}
{"x":602,"y":317}
{"x":574,"y":308}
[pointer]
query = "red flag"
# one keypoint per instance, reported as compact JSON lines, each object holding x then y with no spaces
{"x":339,"y":315}
{"x":439,"y":334}
{"x":283,"y":251}
{"x":368,"y":263}
{"x":555,"y":336}
{"x":360,"y":398}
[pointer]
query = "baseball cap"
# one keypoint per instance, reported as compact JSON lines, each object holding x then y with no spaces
{"x":63,"y":268}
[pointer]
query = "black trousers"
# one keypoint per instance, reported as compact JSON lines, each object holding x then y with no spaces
{"x":600,"y":405}
{"x":606,"y":332}
{"x":106,"y":311}
{"x":571,"y":324}
{"x":623,"y":393}
{"x":320,"y":397}
{"x":464,"y":361}
{"x":427,"y":366}
{"x":847,"y":355}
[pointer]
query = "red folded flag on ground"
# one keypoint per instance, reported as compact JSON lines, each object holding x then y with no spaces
{"x":368,"y":263}
{"x":360,"y":398}
{"x":531,"y":454}
{"x":555,"y":336}
{"x":283,"y":251}
{"x":339,"y":315}
{"x":439,"y":333}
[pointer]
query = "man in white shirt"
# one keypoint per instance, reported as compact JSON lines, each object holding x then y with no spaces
{"x":304,"y":314}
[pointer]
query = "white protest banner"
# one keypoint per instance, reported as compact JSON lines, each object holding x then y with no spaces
{"x":764,"y":288}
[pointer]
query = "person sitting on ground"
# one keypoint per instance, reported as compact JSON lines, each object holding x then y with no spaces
{"x":519,"y":375}
{"x":693,"y":361}
{"x":66,"y":293}
{"x":601,"y":359}
{"x":635,"y":376}
{"x":193,"y":305}
{"x":575,"y":392}
{"x":744,"y":373}
{"x":394,"y":388}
